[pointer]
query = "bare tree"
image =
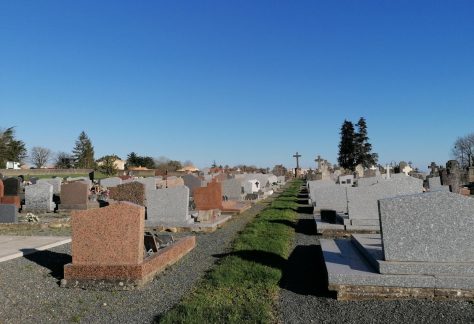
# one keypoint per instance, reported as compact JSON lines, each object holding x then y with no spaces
{"x":463,"y":150}
{"x":39,"y":156}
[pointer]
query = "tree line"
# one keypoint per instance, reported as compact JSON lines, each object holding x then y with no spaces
{"x":82,"y":156}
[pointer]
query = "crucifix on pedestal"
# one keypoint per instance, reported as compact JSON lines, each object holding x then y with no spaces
{"x":319,"y":160}
{"x":297,"y":156}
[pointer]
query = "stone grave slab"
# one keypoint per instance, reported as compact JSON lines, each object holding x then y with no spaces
{"x":429,"y":227}
{"x":39,"y":198}
{"x":8,"y":213}
{"x":108,"y":249}
{"x":169,"y":206}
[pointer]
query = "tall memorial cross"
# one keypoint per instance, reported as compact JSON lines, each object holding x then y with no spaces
{"x":297,"y":156}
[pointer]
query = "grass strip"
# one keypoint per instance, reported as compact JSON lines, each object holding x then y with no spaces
{"x":243,"y":286}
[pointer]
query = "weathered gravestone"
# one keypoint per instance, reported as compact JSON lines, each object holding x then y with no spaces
{"x":169,"y":207}
{"x":452,"y":176}
{"x":232,"y":189}
{"x":8,"y":213}
{"x":39,"y":198}
{"x":108,"y":248}
{"x":110,"y":182}
{"x":133,"y":192}
{"x":192,"y":182}
{"x":75,"y":195}
{"x":359,"y":169}
{"x":55,"y":182}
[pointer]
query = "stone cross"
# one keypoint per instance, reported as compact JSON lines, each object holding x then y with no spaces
{"x":319,"y":160}
{"x":373,"y":168}
{"x":433,"y":168}
{"x":388,"y":168}
{"x":297,"y":156}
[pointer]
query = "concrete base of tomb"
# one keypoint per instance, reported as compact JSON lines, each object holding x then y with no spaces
{"x":354,"y":267}
{"x":66,"y":207}
{"x":235,"y":207}
{"x":203,"y":227}
{"x":128,"y":276}
{"x":341,"y":230}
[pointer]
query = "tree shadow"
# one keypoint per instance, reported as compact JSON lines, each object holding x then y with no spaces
{"x":53,"y":261}
{"x":305,"y":272}
{"x":308,"y":209}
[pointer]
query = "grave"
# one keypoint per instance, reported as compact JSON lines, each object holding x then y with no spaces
{"x":346,"y":180}
{"x":55,"y":182}
{"x":75,"y":196}
{"x":209,"y":197}
{"x":169,"y":207}
{"x":39,"y":198}
{"x":110,"y":182}
{"x":192,"y":182}
{"x":425,"y":250}
{"x":362,"y":203}
{"x":133,"y":192}
{"x":12,"y":187}
{"x":8,"y":213}
{"x":11,"y":192}
{"x":108,"y":249}
{"x":232,"y":189}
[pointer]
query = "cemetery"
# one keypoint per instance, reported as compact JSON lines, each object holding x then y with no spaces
{"x":237,"y":162}
{"x":385,"y":233}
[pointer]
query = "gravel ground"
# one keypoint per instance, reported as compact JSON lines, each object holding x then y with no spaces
{"x":30,"y":292}
{"x":304,"y":297}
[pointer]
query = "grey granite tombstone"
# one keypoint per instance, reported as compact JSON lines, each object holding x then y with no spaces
{"x":330,"y":197}
{"x":150,"y":186}
{"x":362,"y":201}
{"x":315,"y":185}
{"x":55,"y":182}
{"x":11,"y":187}
{"x":232,"y":189}
{"x":434,"y":182}
{"x":110,"y":182}
{"x":33,"y":180}
{"x":169,"y":206}
{"x":8,"y":213}
{"x":192,"y":182}
{"x":39,"y":198}
{"x":430,"y":227}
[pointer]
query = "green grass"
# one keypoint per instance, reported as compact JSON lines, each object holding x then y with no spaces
{"x":243,"y":286}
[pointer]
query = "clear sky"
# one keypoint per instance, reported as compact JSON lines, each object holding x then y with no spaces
{"x":238,"y":81}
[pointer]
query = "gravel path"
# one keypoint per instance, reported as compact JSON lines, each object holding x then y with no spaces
{"x":29,"y":290}
{"x":304,"y":297}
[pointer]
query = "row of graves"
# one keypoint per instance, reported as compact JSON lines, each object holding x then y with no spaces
{"x":410,"y":236}
{"x":117,"y":226}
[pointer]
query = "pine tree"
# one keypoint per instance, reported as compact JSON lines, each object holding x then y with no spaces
{"x":83,"y":152}
{"x":346,"y":157}
{"x":362,"y":147}
{"x":11,"y":149}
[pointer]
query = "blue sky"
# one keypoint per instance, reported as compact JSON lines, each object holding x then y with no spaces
{"x":238,"y":81}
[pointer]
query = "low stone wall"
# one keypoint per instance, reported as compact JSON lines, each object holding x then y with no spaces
{"x":36,"y":172}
